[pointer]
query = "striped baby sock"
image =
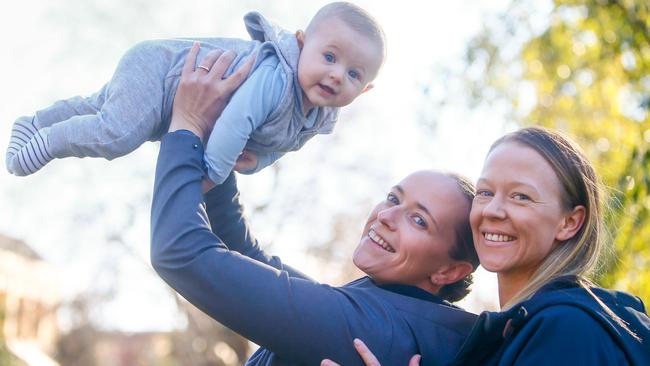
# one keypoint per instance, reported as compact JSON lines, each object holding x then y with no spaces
{"x":31,"y":156}
{"x":22,"y":131}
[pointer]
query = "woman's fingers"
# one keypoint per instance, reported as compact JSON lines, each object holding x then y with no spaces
{"x":368,"y":358}
{"x":202,"y":95}
{"x":221,"y":63}
{"x":365,"y":353}
{"x":206,"y":65}
{"x":415,"y":360}
{"x":327,"y":362}
{"x":217,"y":62}
{"x":190,"y":60}
{"x":238,"y":77}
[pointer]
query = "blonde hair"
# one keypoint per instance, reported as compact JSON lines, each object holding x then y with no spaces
{"x":579,"y":255}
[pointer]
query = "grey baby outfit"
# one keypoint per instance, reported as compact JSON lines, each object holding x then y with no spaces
{"x":136,"y":105}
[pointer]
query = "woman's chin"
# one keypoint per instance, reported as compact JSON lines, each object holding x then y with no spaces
{"x":356,"y":258}
{"x":360,"y":258}
{"x":366,"y":257}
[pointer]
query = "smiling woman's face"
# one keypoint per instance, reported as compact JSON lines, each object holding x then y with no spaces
{"x":517,"y":213}
{"x":408,"y":236}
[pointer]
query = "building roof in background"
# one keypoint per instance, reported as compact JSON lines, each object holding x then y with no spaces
{"x":19,"y":247}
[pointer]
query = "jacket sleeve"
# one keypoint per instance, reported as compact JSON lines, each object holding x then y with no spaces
{"x":293,"y":317}
{"x":563,"y":335}
{"x":226,"y":217}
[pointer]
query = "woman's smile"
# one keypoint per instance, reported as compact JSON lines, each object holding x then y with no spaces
{"x":495,"y":238}
{"x":377,"y":239}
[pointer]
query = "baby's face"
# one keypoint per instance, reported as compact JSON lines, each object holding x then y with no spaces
{"x":336,"y":64}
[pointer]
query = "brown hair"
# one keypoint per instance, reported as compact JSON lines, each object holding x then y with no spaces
{"x":464,"y":249}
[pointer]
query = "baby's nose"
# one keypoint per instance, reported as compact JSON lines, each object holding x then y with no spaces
{"x":336,"y":74}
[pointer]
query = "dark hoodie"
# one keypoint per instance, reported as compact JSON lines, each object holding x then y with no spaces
{"x":562,"y":324}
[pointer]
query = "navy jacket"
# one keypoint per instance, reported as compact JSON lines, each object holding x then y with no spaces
{"x":293,"y":318}
{"x":562,"y":324}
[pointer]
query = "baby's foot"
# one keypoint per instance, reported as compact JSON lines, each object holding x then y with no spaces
{"x":27,"y":158}
{"x":21,"y":132}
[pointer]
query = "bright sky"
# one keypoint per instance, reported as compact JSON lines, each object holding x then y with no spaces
{"x":55,"y":49}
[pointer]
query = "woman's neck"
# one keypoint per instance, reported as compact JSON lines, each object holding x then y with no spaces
{"x":510,"y":284}
{"x":423,"y":285}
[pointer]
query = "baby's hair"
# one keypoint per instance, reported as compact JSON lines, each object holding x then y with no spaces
{"x":355,"y":17}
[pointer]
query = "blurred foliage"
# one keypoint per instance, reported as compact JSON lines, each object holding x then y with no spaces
{"x":6,"y":357}
{"x":585,"y":70}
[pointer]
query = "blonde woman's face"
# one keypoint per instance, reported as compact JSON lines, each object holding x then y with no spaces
{"x":517,"y":212}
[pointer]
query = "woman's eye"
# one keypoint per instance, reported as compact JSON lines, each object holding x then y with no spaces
{"x":419,"y":221}
{"x":353,"y":74}
{"x":520,"y":197}
{"x":483,"y":193}
{"x":329,"y":57}
{"x":392,"y":199}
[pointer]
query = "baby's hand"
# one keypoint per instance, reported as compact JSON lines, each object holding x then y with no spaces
{"x":246,"y":162}
{"x":207,"y":185}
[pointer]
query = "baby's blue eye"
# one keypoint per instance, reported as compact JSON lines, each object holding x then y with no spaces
{"x":329,"y":57}
{"x":392,"y":199}
{"x":353,"y":74}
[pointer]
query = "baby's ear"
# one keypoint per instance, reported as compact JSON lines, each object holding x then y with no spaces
{"x":368,"y":87}
{"x":300,"y":37}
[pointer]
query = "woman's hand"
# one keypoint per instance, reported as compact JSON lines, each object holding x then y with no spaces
{"x":368,"y":358}
{"x":202,"y":94}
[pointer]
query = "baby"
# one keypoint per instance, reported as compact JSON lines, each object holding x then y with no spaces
{"x":297,"y":85}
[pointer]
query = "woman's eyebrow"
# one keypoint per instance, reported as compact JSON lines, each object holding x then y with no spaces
{"x":515,"y":183}
{"x":419,"y":205}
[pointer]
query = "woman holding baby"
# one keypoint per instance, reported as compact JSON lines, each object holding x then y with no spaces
{"x":536,"y":221}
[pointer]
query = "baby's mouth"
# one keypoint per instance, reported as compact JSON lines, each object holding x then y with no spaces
{"x":327,"y":89}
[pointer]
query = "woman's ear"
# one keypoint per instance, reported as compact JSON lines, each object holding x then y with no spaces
{"x":300,"y":37}
{"x":451,"y":273}
{"x":571,"y":223}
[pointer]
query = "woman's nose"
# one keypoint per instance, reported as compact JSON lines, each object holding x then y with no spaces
{"x":387,"y":217}
{"x":494,"y":208}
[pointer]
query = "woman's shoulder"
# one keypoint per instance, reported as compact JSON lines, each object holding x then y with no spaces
{"x":562,"y":325}
{"x":569,"y":320}
{"x":584,"y":309}
{"x":587,"y":320}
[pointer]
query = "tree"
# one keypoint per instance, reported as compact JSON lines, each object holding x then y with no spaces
{"x":584,"y":70}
